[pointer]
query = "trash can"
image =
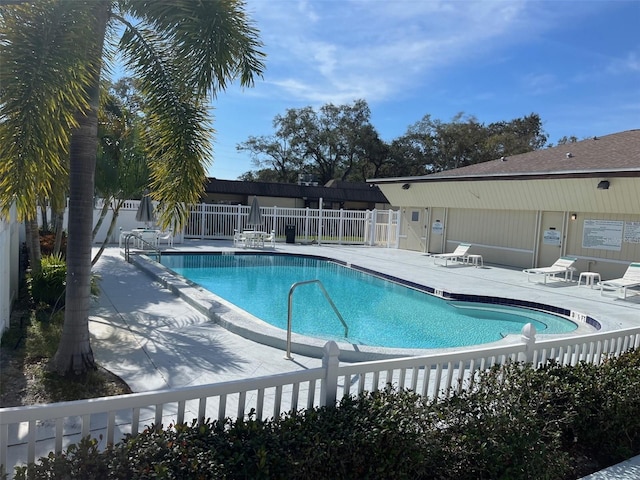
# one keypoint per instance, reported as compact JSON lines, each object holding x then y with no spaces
{"x":290,"y":233}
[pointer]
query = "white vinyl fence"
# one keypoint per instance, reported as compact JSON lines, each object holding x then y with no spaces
{"x":27,"y":433}
{"x":318,"y":225}
{"x":310,"y":225}
{"x":10,"y":241}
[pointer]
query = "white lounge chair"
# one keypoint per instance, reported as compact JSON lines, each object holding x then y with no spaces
{"x":564,"y":265}
{"x":457,"y":255}
{"x":630,"y":279}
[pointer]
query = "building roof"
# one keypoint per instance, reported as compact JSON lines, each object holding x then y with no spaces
{"x":617,"y":154}
{"x":335,"y":191}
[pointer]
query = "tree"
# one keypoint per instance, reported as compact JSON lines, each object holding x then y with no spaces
{"x":273,"y":156}
{"x":121,"y":169}
{"x":335,"y":142}
{"x":43,"y":76}
{"x":464,"y":141}
{"x":520,"y":135}
{"x":182,"y":53}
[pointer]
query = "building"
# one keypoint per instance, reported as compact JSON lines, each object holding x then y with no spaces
{"x":335,"y":194}
{"x":580,"y":199}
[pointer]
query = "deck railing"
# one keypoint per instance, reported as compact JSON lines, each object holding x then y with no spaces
{"x":27,"y":433}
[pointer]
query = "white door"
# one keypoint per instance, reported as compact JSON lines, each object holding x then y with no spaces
{"x":551,"y":238}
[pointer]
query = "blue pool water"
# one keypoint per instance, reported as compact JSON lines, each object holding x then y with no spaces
{"x":378,"y":312}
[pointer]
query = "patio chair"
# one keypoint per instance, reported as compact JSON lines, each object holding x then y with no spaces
{"x":167,"y":236}
{"x":630,"y":279}
{"x":147,"y":238}
{"x":457,"y":255}
{"x":564,"y":265}
{"x":271,"y":238}
{"x":238,"y":238}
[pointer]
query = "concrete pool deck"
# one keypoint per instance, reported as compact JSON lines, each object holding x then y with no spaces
{"x":154,"y":339}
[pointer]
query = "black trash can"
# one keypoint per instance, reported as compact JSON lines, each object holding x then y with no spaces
{"x":290,"y":233}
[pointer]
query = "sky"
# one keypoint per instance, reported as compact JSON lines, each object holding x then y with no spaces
{"x":576,"y":63}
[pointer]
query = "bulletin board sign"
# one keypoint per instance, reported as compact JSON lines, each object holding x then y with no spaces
{"x":631,"y":232}
{"x":602,"y":234}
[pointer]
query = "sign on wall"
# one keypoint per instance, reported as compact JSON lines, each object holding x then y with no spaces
{"x":631,"y":232}
{"x":602,"y":234}
{"x":552,"y":237}
{"x":437,"y":227}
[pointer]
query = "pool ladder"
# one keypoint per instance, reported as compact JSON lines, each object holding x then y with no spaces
{"x":326,"y":295}
{"x":155,"y":250}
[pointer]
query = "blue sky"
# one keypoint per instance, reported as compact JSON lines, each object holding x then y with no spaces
{"x":575,"y":63}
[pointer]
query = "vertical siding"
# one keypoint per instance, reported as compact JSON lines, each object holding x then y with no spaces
{"x":504,"y":237}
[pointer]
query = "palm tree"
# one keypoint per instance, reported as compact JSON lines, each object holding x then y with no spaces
{"x":182,"y":52}
{"x":42,"y":81}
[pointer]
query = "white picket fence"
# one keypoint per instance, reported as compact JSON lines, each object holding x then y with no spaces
{"x":27,"y":433}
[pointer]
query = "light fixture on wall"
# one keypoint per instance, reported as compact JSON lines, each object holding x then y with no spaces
{"x":603,"y":185}
{"x":406,"y":186}
{"x":574,"y":216}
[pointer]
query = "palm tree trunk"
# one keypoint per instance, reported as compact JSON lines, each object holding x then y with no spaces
{"x":58,"y":228}
{"x":112,"y":226}
{"x":74,"y":354}
{"x":33,"y":244}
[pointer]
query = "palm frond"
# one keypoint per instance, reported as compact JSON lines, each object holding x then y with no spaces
{"x":43,"y":76}
{"x":213,"y":41}
{"x":180,"y":51}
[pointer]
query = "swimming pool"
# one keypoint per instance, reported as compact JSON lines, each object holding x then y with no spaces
{"x":378,"y":312}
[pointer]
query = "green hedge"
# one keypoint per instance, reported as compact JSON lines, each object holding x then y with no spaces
{"x":514,"y":423}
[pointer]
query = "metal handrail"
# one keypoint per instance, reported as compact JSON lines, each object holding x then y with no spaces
{"x":326,"y":295}
{"x":154,"y":249}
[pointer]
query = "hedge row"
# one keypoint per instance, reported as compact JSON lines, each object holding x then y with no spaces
{"x":515,"y":422}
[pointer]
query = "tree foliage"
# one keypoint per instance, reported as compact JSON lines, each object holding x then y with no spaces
{"x":339,"y":142}
{"x":333,"y":142}
{"x":52,"y":52}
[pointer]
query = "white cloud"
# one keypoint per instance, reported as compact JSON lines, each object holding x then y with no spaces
{"x":378,"y":49}
{"x":629,"y":63}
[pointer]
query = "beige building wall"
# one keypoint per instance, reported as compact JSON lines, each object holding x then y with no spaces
{"x":524,"y":224}
{"x":502,"y":237}
{"x":609,"y":262}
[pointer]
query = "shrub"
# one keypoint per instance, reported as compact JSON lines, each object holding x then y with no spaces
{"x":48,"y":240}
{"x":83,"y":460}
{"x":514,"y":422}
{"x":48,"y":285}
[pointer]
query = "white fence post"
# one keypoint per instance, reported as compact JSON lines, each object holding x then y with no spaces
{"x":528,"y":337}
{"x":320,"y":221}
{"x":239,"y":216}
{"x":330,"y":364}
{"x":203,"y":219}
{"x":374,"y":227}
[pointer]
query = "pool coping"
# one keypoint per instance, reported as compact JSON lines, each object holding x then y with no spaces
{"x":243,"y":323}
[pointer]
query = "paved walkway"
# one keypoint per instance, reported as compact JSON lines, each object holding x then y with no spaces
{"x":153,"y":339}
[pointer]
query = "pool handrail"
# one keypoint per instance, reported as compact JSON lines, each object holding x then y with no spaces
{"x":326,"y":295}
